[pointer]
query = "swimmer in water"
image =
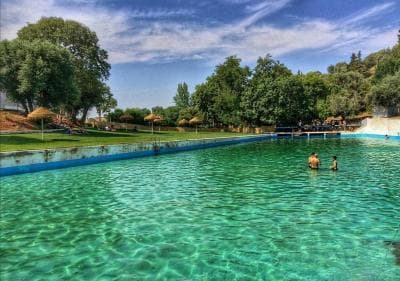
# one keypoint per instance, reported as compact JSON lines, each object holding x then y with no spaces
{"x":334,"y":166}
{"x":312,"y":155}
{"x":314,"y":162}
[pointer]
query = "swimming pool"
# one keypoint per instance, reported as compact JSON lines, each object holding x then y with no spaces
{"x":242,"y":212}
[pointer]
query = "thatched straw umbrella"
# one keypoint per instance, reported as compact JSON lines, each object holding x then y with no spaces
{"x":151,"y":117}
{"x":159,"y":120}
{"x":183,"y":122}
{"x":41,"y":113}
{"x":332,"y":118}
{"x":195,"y":120}
{"x":126,"y":118}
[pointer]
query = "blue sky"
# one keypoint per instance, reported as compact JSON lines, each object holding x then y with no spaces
{"x":155,"y":44}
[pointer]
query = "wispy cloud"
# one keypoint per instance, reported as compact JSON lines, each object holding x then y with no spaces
{"x":155,"y":35}
{"x":160,"y":13}
{"x":263,"y":9}
{"x":367,"y":14}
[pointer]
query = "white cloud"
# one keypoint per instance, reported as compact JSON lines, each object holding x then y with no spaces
{"x":263,"y":9}
{"x":379,"y":40}
{"x":367,"y":14}
{"x":160,"y":13}
{"x":128,"y":39}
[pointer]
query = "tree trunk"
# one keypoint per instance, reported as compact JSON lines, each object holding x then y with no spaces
{"x":25,"y":107}
{"x":84,"y":115}
{"x":30,"y":104}
{"x":73,"y":114}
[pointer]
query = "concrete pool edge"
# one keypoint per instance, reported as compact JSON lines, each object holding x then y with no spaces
{"x":19,"y":162}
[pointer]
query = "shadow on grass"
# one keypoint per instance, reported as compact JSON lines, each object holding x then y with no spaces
{"x":59,"y":140}
{"x":155,"y":132}
{"x":16,"y":140}
{"x":94,"y":133}
{"x":102,"y":134}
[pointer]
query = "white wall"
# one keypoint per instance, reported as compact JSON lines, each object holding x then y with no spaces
{"x":381,"y":126}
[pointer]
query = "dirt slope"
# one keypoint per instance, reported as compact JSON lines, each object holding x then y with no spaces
{"x":15,"y":121}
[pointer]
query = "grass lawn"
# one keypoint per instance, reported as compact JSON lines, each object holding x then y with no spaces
{"x":14,"y":142}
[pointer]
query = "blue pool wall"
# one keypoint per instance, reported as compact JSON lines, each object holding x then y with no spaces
{"x":18,"y":162}
{"x":369,"y":136}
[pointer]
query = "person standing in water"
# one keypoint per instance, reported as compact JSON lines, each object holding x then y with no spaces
{"x":334,"y":165}
{"x":313,"y":161}
{"x":312,"y":155}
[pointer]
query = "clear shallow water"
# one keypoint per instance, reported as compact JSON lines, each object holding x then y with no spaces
{"x":244,"y":212}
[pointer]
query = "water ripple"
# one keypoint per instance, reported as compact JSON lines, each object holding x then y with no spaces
{"x":243,"y":212}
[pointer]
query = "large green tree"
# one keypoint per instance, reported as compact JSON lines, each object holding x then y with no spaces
{"x":182,"y":97}
{"x":388,"y":64}
{"x":387,"y":92}
{"x":356,"y":64}
{"x":316,"y":91}
{"x":203,"y":101}
{"x":348,"y":93}
{"x":267,"y":67}
{"x":37,"y":73}
{"x":258,"y":101}
{"x":259,"y":94}
{"x":276,"y":96}
{"x":291,"y":104}
{"x":219,"y":97}
{"x":107,"y":102}
{"x":90,"y":60}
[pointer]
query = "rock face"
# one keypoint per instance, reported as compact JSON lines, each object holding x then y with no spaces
{"x":395,"y":249}
{"x":381,"y":126}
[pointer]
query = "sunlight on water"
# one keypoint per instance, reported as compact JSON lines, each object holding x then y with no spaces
{"x":243,"y":212}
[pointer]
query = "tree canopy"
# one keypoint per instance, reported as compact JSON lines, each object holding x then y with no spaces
{"x":219,"y":97}
{"x":182,"y":97}
{"x":387,"y":92}
{"x":88,"y":59}
{"x":37,"y":73}
{"x":270,"y":93}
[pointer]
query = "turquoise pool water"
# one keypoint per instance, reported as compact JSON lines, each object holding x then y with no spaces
{"x":242,"y":212}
